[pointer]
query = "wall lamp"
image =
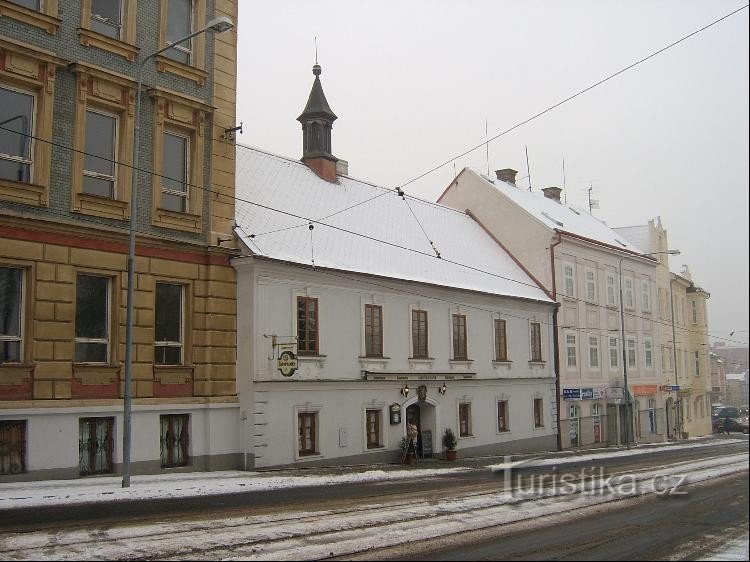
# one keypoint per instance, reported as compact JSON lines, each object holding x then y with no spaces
{"x":405,"y":391}
{"x":443,"y":389}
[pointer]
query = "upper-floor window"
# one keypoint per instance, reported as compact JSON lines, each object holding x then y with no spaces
{"x":373,"y":330}
{"x":614,"y":353}
{"x":646,"y":296}
{"x":419,"y":333}
{"x":11,"y":314}
{"x":593,"y":352}
{"x":106,"y":17}
{"x":179,"y":24}
{"x":175,"y":175}
{"x":459,"y":337}
{"x":569,"y":282}
{"x":92,"y":319}
{"x":501,"y":340}
{"x":30,"y":4}
{"x":307,"y":326}
{"x":694,"y":309}
{"x":17,"y":119}
{"x":611,"y":289}
{"x":99,"y":169}
{"x":697,"y":364}
{"x":648,"y":352}
{"x":629,"y":302}
{"x":571,"y":351}
{"x":536,"y":341}
{"x":632,"y":353}
{"x":169,"y":329}
{"x":590,"y":285}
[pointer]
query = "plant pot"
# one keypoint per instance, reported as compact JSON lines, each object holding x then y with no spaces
{"x":450,"y":455}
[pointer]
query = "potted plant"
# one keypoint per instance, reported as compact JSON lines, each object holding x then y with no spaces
{"x":449,"y":442}
{"x":407,"y":457}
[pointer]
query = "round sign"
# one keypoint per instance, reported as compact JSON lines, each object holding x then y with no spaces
{"x":287,"y":363}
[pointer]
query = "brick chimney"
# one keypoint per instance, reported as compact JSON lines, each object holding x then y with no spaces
{"x":317,"y":121}
{"x":552,"y":193}
{"x":507,"y":175}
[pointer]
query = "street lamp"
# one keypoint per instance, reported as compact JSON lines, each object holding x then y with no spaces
{"x":219,"y":25}
{"x":628,"y":400}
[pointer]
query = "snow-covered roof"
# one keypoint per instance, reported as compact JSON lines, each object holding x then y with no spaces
{"x":638,"y":235}
{"x":559,"y":216}
{"x":384,"y":237}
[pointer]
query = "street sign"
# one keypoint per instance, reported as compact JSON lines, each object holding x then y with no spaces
{"x":671,"y":388}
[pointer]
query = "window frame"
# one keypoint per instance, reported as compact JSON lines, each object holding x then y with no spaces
{"x":568,"y":346}
{"x":315,"y":450}
{"x":195,"y":69}
{"x":570,"y":291}
{"x":591,"y":285}
{"x":45,"y":17}
{"x":502,"y":408}
{"x":32,"y":140}
{"x":697,"y":363}
{"x":7,"y":466}
{"x":21,"y":316}
{"x":373,"y":337}
{"x":307,"y":351}
{"x":464,"y":419}
{"x":631,"y":349}
{"x":182,"y":344}
{"x":538,"y":412}
{"x":616,"y":356}
{"x":183,"y":459}
{"x":124,"y":45}
{"x":501,"y":340}
{"x":646,"y":304}
{"x":628,"y":293}
{"x":109,"y":422}
{"x":536,"y":351}
{"x":648,"y":352}
{"x":377,"y":443}
{"x":115,"y":151}
{"x":416,"y":337}
{"x":611,"y":289}
{"x":459,"y":333}
{"x":107,"y":322}
{"x":594,"y":348}
{"x":186,"y":168}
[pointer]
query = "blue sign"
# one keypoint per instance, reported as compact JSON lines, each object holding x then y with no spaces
{"x":672,"y":388}
{"x":571,"y":393}
{"x":587,"y":394}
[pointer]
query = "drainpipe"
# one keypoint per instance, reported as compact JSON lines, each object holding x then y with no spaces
{"x":555,"y":339}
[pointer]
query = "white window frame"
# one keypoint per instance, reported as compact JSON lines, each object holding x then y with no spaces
{"x":28,"y":161}
{"x":319,"y":435}
{"x":569,"y":280}
{"x":645,"y":295}
{"x":591,"y":285}
{"x":648,"y":352}
{"x":611,"y":289}
{"x":594,"y":352}
{"x":188,"y":179}
{"x":181,"y":343}
{"x":568,"y":347}
{"x":629,"y":303}
{"x":613,"y":366}
{"x":694,"y":311}
{"x":697,"y":363}
{"x":115,"y":152}
{"x":470,"y":421}
{"x":21,"y":316}
{"x":374,"y":406}
{"x":108,"y":308}
{"x":631,"y":352}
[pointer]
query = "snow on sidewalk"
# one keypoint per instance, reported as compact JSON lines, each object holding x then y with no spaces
{"x":162,"y":486}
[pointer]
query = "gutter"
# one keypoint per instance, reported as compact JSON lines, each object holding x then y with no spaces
{"x":555,"y":337}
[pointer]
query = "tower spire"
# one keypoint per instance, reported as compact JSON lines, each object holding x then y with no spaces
{"x":317,"y":122}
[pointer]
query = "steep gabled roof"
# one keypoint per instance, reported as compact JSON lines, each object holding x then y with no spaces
{"x":379,"y":237}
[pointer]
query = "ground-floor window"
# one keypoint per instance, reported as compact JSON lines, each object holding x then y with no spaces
{"x":307,"y":425}
{"x":574,"y":430}
{"x":538,"y":415}
{"x":175,"y":440}
{"x":652,"y":415}
{"x":12,"y":447}
{"x":95,"y":445}
{"x":502,"y":416}
{"x":373,"y":421}
{"x":464,"y":419}
{"x":596,"y":421}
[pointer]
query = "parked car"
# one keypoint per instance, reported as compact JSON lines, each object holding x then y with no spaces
{"x":719,"y":425}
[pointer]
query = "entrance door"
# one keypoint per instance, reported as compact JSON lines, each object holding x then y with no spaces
{"x":413,"y":416}
{"x":574,"y":418}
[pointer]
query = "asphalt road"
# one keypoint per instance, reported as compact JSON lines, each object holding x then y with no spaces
{"x":652,"y":528}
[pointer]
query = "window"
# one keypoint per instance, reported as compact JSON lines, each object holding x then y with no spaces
{"x":569,"y":280}
{"x":30,"y":4}
{"x":670,"y":359}
{"x":373,"y":330}
{"x":694,"y":308}
{"x":464,"y":419}
{"x":95,"y":446}
{"x":179,"y":24}
{"x":39,"y":13}
{"x":373,"y":421}
{"x":175,"y":176}
{"x":175,"y":440}
{"x":629,"y":303}
{"x":307,"y":326}
{"x":646,"y":296}
{"x":590,"y":285}
{"x":101,"y":153}
{"x":610,"y":289}
{"x":538,"y":412}
{"x":501,"y":340}
{"x":648,"y":352}
{"x":596,"y":421}
{"x":571,"y":350}
{"x":697,"y":365}
{"x":459,"y":337}
{"x":106,"y":17}
{"x":502,"y":416}
{"x":614,"y":353}
{"x":169,"y":324}
{"x":92,"y":319}
{"x":632,"y":355}
{"x":593,"y":352}
{"x":419,"y":334}
{"x":17,"y":118}
{"x":11,"y":314}
{"x":307,"y":426}
{"x":652,"y":415}
{"x":12,"y":447}
{"x":536,"y":342}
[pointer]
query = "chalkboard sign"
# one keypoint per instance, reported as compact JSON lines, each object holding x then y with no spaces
{"x":426,"y":443}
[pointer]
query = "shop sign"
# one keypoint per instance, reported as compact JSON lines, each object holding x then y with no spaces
{"x":644,"y":389}
{"x":587,"y":394}
{"x":287,"y":362}
{"x":571,"y":393}
{"x":615,"y":393}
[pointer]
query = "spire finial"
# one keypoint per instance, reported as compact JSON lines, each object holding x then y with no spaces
{"x":316,"y":69}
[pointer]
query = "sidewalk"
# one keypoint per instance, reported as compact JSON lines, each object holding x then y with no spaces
{"x":195,"y":484}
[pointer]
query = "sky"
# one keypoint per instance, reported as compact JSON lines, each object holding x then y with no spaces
{"x":416,"y":83}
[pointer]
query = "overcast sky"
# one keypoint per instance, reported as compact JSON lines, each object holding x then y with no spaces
{"x":413,"y":83}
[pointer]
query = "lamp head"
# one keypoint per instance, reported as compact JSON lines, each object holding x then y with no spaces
{"x":220,"y":24}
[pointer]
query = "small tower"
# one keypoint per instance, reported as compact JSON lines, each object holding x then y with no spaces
{"x":317,"y":121}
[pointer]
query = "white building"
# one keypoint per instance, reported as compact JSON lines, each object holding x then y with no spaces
{"x":398,"y":309}
{"x":585,"y":265}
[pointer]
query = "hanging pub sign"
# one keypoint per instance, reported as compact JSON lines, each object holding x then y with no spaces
{"x":395,"y":411}
{"x":287,"y":362}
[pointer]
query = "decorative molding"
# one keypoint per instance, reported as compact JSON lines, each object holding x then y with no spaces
{"x":90,"y":38}
{"x":165,"y":64}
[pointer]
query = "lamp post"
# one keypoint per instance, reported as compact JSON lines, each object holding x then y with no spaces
{"x":628,"y":400}
{"x":219,"y":25}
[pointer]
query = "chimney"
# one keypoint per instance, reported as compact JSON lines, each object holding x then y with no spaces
{"x":507,"y":175}
{"x":552,"y":193}
{"x":342,"y":167}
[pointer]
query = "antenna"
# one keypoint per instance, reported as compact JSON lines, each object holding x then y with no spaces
{"x":487,"y":145}
{"x":528,"y":170}
{"x":589,"y":190}
{"x":563,"y":173}
{"x":316,"y":49}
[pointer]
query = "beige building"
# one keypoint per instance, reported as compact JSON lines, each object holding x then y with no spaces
{"x":67,"y":111}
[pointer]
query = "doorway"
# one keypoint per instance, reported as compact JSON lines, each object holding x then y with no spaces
{"x":422,"y":415}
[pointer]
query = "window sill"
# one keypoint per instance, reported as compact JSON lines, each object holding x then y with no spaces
{"x":461,"y":364}
{"x":424,"y":362}
{"x":366,"y":361}
{"x":187,"y":222}
{"x":15,"y":373}
{"x":504,"y":432}
{"x":502,"y":364}
{"x":165,"y":64}
{"x":105,"y":207}
{"x":320,"y":360}
{"x":95,"y":374}
{"x":537,"y":363}
{"x":173,"y":374}
{"x":26,"y":193}
{"x":46,"y":22}
{"x":91,"y":38}
{"x":308,"y":456}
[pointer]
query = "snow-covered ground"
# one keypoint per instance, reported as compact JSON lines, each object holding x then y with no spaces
{"x":735,"y":550}
{"x":106,"y":489}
